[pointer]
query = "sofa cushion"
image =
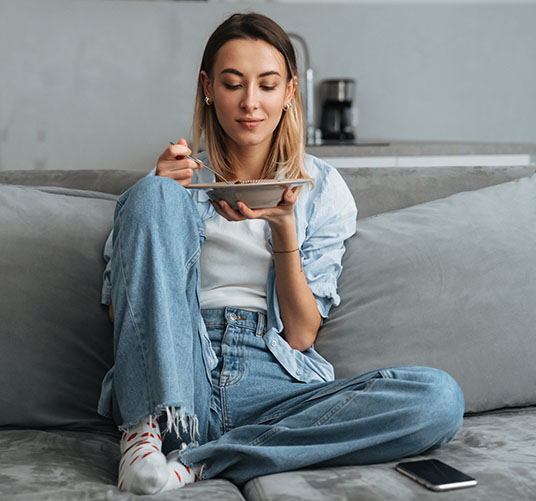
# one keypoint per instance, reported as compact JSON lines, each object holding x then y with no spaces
{"x":102,"y":180}
{"x":79,"y":465}
{"x":449,"y":284}
{"x":495,"y":448}
{"x":378,"y":189}
{"x":382,"y":189}
{"x":55,"y":337}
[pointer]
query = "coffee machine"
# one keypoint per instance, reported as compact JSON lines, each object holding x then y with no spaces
{"x":339,"y":116}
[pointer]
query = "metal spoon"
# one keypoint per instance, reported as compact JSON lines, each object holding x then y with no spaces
{"x":199,"y":162}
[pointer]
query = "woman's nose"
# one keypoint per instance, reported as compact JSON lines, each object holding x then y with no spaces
{"x":250,"y":100}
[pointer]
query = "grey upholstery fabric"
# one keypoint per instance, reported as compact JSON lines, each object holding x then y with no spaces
{"x":69,"y":466}
{"x":101,"y":180}
{"x":496,"y":448}
{"x":55,"y":338}
{"x":56,"y":344}
{"x":449,"y":284}
{"x":376,"y":190}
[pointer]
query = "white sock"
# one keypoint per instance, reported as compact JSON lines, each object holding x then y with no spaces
{"x":143,"y":468}
{"x":179,"y":475}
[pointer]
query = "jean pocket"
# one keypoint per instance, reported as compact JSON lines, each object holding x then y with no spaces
{"x":361,"y":382}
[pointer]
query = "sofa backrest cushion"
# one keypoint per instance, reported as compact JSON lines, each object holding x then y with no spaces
{"x":55,"y":337}
{"x":377,"y":190}
{"x":383,"y":189}
{"x":113,"y":181}
{"x":449,"y":284}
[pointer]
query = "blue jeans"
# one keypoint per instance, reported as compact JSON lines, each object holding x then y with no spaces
{"x":247,"y":416}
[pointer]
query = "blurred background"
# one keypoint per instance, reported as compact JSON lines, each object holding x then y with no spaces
{"x":108,"y":83}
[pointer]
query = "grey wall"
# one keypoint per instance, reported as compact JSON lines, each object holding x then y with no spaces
{"x":104,"y":84}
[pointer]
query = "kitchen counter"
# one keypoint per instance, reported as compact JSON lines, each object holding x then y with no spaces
{"x":385,"y":153}
{"x":377,"y":148}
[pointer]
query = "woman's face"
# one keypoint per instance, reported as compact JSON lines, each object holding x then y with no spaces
{"x":249,"y":90}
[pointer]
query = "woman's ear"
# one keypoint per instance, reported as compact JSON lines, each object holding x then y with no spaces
{"x":205,"y":82}
{"x":291,"y":88}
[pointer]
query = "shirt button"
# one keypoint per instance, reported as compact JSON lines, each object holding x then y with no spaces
{"x":273,"y":342}
{"x":233,"y":317}
{"x":298,"y":372}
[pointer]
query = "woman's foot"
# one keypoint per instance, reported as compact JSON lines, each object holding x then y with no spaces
{"x":143,"y":468}
{"x":179,"y":475}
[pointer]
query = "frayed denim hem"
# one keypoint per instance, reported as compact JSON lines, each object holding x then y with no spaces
{"x":178,"y":420}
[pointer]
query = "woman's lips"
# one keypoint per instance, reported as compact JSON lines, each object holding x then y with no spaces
{"x":249,"y":123}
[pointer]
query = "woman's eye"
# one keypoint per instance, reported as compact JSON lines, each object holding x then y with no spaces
{"x":232,"y":86}
{"x":268,"y":87}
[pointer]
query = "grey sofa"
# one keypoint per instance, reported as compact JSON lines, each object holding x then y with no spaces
{"x":441,"y":272}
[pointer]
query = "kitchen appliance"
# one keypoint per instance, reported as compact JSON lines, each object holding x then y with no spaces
{"x":339,"y":115}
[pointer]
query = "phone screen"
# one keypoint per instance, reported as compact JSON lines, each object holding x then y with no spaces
{"x":435,"y":474}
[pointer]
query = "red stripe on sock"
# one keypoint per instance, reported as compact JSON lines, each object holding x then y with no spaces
{"x":187,"y":469}
{"x":145,"y":455}
{"x":178,"y":476}
{"x":134,"y":460}
{"x":131,"y":437}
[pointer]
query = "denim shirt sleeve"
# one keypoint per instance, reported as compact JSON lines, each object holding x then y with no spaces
{"x":330,"y":219}
{"x":325,"y":218}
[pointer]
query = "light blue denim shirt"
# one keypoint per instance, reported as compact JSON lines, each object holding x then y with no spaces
{"x":325,"y":217}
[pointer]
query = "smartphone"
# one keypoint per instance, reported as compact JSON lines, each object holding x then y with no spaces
{"x":435,"y":475}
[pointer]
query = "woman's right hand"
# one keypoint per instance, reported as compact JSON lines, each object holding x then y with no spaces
{"x":173,"y":163}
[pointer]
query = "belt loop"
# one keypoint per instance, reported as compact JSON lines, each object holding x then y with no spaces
{"x":261,"y":323}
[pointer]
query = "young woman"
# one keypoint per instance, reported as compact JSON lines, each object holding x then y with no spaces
{"x":216,"y":310}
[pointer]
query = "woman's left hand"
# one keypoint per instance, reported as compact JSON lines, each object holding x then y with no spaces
{"x":274,"y":215}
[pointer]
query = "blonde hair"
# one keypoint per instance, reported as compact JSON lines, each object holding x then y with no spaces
{"x":286,"y":153}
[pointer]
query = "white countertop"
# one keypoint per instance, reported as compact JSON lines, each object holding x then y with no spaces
{"x":380,"y":147}
{"x":378,"y":153}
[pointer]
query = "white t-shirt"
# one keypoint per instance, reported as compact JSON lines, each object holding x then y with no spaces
{"x":235,"y":260}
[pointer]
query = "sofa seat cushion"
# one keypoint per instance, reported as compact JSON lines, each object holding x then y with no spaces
{"x":66,"y":465}
{"x":496,"y":448}
{"x":449,"y":284}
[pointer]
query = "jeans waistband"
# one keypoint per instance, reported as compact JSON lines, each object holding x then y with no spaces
{"x":254,"y":320}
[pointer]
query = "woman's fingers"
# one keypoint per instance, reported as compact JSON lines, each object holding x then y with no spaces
{"x":173,"y":163}
{"x":225,"y":210}
{"x":175,"y":152}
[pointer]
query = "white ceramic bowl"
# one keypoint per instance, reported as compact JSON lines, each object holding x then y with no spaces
{"x":256,"y":195}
